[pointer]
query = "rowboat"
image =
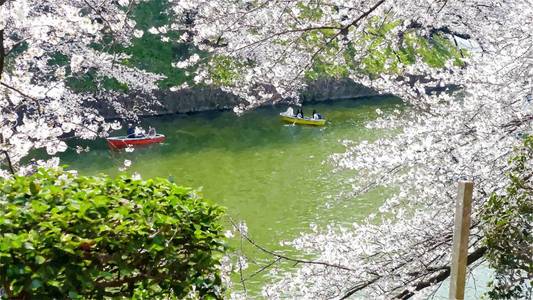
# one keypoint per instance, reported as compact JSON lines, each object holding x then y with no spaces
{"x":302,"y":121}
{"x":121,"y":142}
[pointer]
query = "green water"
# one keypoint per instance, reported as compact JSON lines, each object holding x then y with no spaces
{"x":275,"y":177}
{"x":272,"y":176}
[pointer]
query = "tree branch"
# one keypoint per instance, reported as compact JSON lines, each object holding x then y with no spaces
{"x":441,"y":276}
{"x":18,"y":91}
{"x":2,"y":52}
{"x":9,"y":163}
{"x":14,"y":47}
{"x":287,"y":258}
{"x":343,"y":30}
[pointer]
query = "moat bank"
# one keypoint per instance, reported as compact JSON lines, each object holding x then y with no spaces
{"x":200,"y":99}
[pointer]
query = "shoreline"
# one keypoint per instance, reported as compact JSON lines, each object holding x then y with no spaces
{"x":229,"y":108}
{"x":202,"y":99}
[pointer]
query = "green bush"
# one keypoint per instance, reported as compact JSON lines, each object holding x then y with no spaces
{"x":508,"y":224}
{"x":64,"y":236}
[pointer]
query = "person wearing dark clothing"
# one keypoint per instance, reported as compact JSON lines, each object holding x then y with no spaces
{"x":131,"y":131}
{"x":316,"y":115}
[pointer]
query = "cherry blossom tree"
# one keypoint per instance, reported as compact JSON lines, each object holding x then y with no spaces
{"x":44,"y":45}
{"x":463,"y":67}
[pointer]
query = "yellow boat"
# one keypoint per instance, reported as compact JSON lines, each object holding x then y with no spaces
{"x":302,"y":121}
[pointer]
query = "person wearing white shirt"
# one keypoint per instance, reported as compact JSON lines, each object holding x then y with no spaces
{"x":289,"y":112}
{"x":316,"y":115}
{"x":139,"y":132}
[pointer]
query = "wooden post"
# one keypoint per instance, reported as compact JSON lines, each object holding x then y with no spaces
{"x":461,"y":231}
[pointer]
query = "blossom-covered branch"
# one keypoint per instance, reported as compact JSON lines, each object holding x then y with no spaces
{"x":463,"y":68}
{"x":43,"y":46}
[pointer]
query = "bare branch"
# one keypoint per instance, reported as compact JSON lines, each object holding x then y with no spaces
{"x":441,"y":276}
{"x":284,"y":257}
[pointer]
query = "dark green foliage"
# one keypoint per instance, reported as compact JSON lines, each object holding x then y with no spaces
{"x":379,"y":50}
{"x":87,"y":82}
{"x":74,"y":237}
{"x":151,"y":14}
{"x":91,"y":82}
{"x":153,"y":55}
{"x":11,"y":57}
{"x":508,"y":231}
{"x":58,"y":59}
{"x":150,"y":53}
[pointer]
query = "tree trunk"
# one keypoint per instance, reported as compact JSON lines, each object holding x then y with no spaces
{"x":2,"y":52}
{"x":2,"y":49}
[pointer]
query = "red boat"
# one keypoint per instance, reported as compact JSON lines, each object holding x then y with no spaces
{"x":121,"y":142}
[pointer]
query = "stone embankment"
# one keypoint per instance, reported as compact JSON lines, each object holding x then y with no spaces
{"x":209,"y":98}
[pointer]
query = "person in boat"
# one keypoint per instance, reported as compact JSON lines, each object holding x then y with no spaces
{"x":138,"y":133}
{"x":316,"y":116}
{"x":300,"y":113}
{"x":289,"y":112}
{"x":131,"y":132}
{"x":151,"y":131}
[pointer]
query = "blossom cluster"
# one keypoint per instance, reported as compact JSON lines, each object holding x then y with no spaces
{"x":468,"y":106}
{"x":45,"y":45}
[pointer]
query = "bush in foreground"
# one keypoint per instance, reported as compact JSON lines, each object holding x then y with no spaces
{"x":67,"y":236}
{"x":508,"y":231}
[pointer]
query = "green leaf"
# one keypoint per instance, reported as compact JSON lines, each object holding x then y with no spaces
{"x":34,"y":188}
{"x":58,"y":242}
{"x":36,"y":283}
{"x":39,"y":259}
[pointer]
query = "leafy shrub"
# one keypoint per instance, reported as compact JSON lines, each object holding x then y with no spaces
{"x":508,"y":231}
{"x":64,"y":236}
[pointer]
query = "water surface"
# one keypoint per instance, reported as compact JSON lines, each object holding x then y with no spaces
{"x":273,"y":176}
{"x":276,"y":177}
